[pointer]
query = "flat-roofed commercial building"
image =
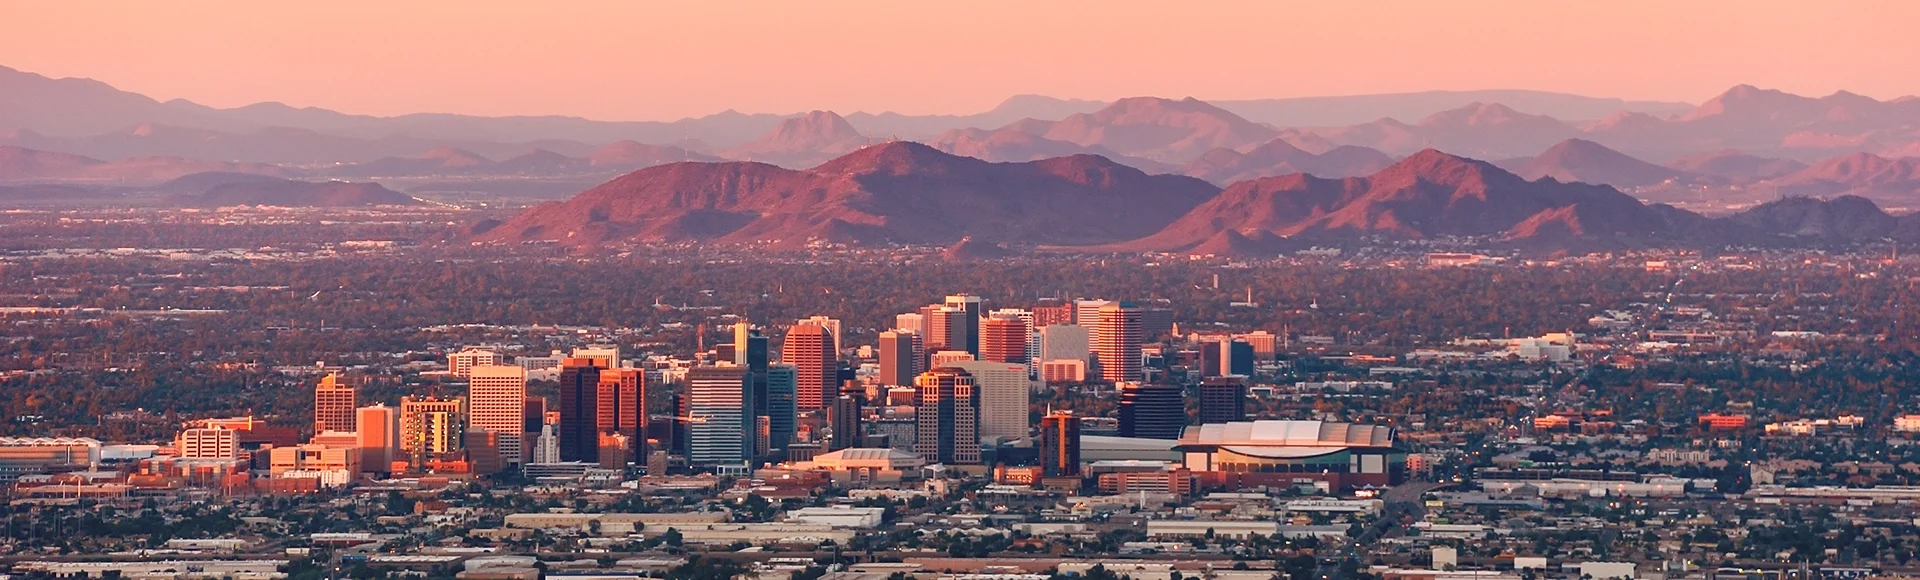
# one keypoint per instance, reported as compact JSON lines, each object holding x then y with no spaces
{"x":208,"y":443}
{"x":35,"y":455}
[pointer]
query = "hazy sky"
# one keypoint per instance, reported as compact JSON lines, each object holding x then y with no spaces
{"x":641,"y":59}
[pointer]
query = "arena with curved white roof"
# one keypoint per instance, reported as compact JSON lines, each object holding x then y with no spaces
{"x":1281,"y":453}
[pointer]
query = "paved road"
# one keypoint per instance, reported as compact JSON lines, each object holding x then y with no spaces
{"x":1403,"y":505}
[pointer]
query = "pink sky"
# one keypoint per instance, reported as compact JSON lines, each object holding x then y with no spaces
{"x":641,"y":59}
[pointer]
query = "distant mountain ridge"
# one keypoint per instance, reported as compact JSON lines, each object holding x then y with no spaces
{"x":803,"y":141}
{"x":895,"y":192}
{"x":1429,"y":194}
{"x":907,"y":193}
{"x":1280,"y":157}
{"x":289,"y":193}
{"x":21,"y":164}
{"x":1778,"y":137}
{"x":1589,"y":162}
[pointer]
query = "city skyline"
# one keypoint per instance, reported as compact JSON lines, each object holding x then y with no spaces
{"x":1553,"y":291}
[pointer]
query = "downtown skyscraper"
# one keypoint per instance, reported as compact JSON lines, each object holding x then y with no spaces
{"x":782,"y":409}
{"x":430,"y":429}
{"x":720,"y":430}
{"x":947,"y":418}
{"x":900,"y":357}
{"x":1116,"y":342}
{"x":496,"y":402}
{"x":1152,"y":411}
{"x":1001,"y":394}
{"x":620,"y":407}
{"x":751,"y":352}
{"x":1004,"y":338}
{"x":965,"y":333}
{"x":333,"y":403}
{"x":578,"y":430}
{"x":809,"y":348}
{"x":1060,"y":444}
{"x":1223,"y":400}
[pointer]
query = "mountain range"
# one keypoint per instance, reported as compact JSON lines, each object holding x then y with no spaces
{"x":907,"y":193}
{"x":22,"y":164}
{"x":82,"y":107}
{"x":94,"y":119}
{"x":1741,"y":148}
{"x":895,"y":192}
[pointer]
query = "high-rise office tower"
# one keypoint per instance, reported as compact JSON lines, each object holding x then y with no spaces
{"x":461,"y":363}
{"x":546,"y":446}
{"x":1002,"y":390}
{"x":620,"y":404}
{"x":673,"y":431}
{"x":377,"y":429}
{"x":483,"y":450}
{"x":607,"y":356}
{"x":497,"y":402}
{"x":751,"y":352}
{"x":1236,"y":358}
{"x":1223,"y":400}
{"x":940,"y":322}
{"x":1116,"y":345}
{"x":920,"y":353}
{"x":844,"y":418}
{"x":897,"y":360}
{"x":762,"y":433}
{"x":720,"y":431}
{"x":1063,"y":342}
{"x":430,"y":428}
{"x":742,"y":332}
{"x":1210,"y":356}
{"x":966,"y":335}
{"x":535,"y":415}
{"x":1152,"y":411}
{"x":947,"y":417}
{"x":1086,"y":313}
{"x":579,"y":430}
{"x":913,"y":321}
{"x":833,"y":329}
{"x":782,"y":407}
{"x":1060,"y":444}
{"x":333,"y":404}
{"x":1003,"y":338}
{"x":616,"y":450}
{"x":809,"y":348}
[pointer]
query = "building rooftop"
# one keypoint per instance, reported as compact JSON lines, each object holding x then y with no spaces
{"x":1289,"y":434}
{"x":46,"y":441}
